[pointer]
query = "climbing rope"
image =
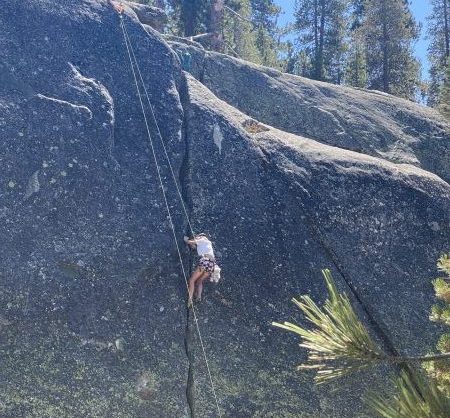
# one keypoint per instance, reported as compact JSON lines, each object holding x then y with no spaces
{"x":131,"y":56}
{"x":160,"y":136}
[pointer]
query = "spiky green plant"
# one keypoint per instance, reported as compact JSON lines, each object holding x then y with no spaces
{"x":415,"y":397}
{"x":440,"y":312}
{"x":339,"y":343}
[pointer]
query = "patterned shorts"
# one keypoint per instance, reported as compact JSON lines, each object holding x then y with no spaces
{"x":207,"y":265}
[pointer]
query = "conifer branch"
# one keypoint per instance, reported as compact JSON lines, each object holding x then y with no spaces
{"x":338,"y":342}
{"x":416,"y":397}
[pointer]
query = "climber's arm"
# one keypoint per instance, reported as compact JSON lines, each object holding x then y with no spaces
{"x":190,"y":242}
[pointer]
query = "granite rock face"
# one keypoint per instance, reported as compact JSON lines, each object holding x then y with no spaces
{"x":149,"y":15}
{"x":369,"y":122}
{"x":281,"y":208}
{"x":93,"y":319}
{"x":89,"y":274}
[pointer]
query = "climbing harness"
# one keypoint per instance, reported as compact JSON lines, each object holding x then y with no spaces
{"x":137,"y":74}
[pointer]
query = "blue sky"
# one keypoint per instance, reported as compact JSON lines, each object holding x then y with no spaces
{"x":420,"y":8}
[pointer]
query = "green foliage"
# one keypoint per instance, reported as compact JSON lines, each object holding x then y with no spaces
{"x":338,"y":343}
{"x":188,"y":17}
{"x":362,"y":43}
{"x":248,"y":27}
{"x":356,"y":66}
{"x":442,"y":289}
{"x":264,"y":18}
{"x":321,"y":31}
{"x":439,"y":48}
{"x":390,"y":32}
{"x":357,"y":13}
{"x":444,"y":95}
{"x":239,"y":33}
{"x":440,"y":312}
{"x":443,"y":264}
{"x":415,"y":397}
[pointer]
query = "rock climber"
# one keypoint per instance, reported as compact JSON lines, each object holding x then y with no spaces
{"x":186,"y":60}
{"x":205,"y":266}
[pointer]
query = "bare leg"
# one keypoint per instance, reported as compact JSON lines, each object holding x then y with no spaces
{"x":194,"y":278}
{"x":200,"y":281}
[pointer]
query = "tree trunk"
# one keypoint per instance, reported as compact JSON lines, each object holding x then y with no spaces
{"x":385,"y":46}
{"x":217,"y":11}
{"x":446,"y":30}
{"x":420,"y":359}
{"x":357,"y":58}
{"x":188,"y":17}
{"x":316,"y":35}
{"x":319,"y":63}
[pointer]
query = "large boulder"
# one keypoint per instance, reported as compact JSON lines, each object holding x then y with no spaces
{"x":281,"y":208}
{"x":93,"y":319}
{"x":149,"y":15}
{"x":370,"y":122}
{"x":90,"y":280}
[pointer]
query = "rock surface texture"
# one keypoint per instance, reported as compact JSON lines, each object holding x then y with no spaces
{"x":148,"y":15}
{"x":92,"y":300}
{"x":370,"y":122}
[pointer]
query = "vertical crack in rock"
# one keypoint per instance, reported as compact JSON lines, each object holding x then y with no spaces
{"x":377,"y":327}
{"x":184,"y":179}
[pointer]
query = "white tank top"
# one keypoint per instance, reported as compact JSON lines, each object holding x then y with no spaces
{"x":204,"y":246}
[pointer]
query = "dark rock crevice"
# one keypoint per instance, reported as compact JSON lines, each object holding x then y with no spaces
{"x":378,"y":328}
{"x":184,"y":174}
{"x":184,"y":179}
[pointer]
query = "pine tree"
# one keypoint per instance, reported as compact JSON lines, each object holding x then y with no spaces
{"x":390,"y":30}
{"x":440,"y":370}
{"x":189,"y":17}
{"x":288,"y":64}
{"x":439,"y":49}
{"x":239,"y":31}
{"x":356,"y":62}
{"x":321,"y":28}
{"x":357,"y":13}
{"x":336,"y":45}
{"x":215,"y":27}
{"x":264,"y":18}
{"x":338,"y":343}
{"x":444,"y":95}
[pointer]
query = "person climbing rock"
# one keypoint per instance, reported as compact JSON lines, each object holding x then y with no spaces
{"x":205,"y":267}
{"x":186,"y":61}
